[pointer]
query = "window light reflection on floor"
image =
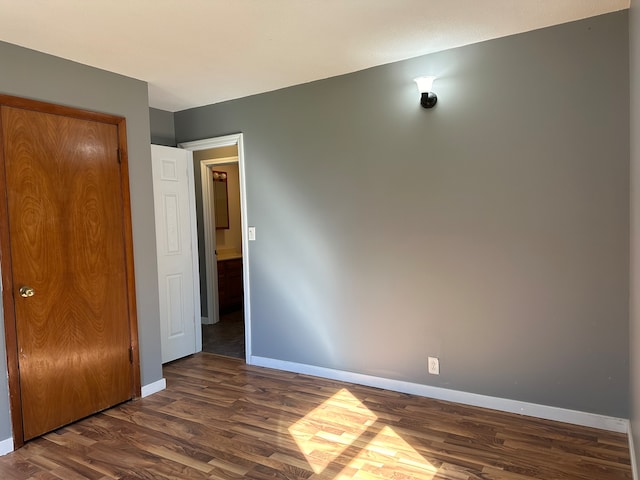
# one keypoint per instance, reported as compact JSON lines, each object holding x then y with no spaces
{"x":344,"y":435}
{"x":386,"y":454}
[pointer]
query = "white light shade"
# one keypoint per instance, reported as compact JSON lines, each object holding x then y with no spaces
{"x":424,"y":83}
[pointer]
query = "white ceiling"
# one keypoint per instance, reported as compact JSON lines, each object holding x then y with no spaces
{"x":198,"y":52}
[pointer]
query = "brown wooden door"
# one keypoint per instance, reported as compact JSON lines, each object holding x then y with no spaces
{"x":67,"y":242}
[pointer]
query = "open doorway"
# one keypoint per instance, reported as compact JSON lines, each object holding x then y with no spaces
{"x":224,"y":333}
{"x":222,"y":246}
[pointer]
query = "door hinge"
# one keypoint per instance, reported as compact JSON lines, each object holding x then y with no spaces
{"x":130,"y":354}
{"x":119,"y":156}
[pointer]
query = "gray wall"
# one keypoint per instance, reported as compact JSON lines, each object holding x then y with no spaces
{"x":38,"y":76}
{"x":634,"y":333}
{"x":162,"y":127}
{"x":491,"y":231}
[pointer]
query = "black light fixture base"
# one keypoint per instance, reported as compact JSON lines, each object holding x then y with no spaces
{"x":428,"y":99}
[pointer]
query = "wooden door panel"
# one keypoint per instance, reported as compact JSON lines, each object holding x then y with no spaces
{"x":66,"y":228}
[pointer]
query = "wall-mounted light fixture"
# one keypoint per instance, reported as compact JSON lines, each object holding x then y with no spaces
{"x":427,"y":98}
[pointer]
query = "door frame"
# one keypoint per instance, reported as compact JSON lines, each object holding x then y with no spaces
{"x":210,"y":229}
{"x":8,"y":301}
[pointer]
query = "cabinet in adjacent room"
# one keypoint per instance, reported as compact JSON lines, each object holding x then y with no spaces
{"x":230,"y":293}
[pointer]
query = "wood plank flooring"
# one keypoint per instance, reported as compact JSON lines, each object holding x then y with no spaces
{"x":221,"y":419}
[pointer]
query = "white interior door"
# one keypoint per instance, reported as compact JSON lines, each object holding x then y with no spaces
{"x":176,"y":242}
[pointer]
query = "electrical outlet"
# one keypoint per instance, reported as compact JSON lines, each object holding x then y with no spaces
{"x":434,"y":366}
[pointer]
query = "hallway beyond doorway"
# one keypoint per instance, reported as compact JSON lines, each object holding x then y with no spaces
{"x":225,"y":337}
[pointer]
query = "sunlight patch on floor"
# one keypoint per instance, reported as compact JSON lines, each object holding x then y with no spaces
{"x":385,"y":456}
{"x":345,"y":435}
{"x":327,"y":431}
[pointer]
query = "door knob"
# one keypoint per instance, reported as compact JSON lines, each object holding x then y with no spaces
{"x":27,"y":292}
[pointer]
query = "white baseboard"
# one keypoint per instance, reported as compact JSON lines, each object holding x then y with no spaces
{"x":6,"y":446}
{"x":513,"y":406}
{"x":632,"y":453}
{"x":205,"y":321}
{"x":154,"y":387}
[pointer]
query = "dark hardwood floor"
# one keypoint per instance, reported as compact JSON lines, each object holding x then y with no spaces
{"x":225,"y":337}
{"x":221,"y":419}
